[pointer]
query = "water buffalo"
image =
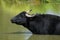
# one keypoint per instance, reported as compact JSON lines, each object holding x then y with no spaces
{"x":38,"y":23}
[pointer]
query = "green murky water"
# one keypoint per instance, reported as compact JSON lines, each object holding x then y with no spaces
{"x":10,"y":8}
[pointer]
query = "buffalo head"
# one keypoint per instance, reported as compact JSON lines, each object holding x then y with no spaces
{"x":22,"y":17}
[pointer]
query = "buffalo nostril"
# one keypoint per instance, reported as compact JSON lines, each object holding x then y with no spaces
{"x":13,"y":21}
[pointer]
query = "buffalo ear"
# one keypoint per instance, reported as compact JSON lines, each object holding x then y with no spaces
{"x":28,"y":15}
{"x":28,"y":11}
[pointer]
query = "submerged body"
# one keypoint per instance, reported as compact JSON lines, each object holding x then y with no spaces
{"x":39,"y":23}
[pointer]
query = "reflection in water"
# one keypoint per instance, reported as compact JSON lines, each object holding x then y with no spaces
{"x":14,"y":36}
{"x":28,"y":37}
{"x":44,"y":37}
{"x":20,"y":33}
